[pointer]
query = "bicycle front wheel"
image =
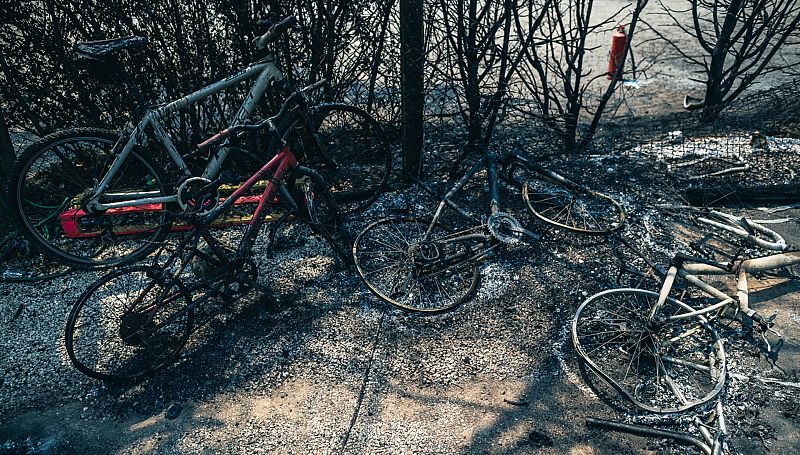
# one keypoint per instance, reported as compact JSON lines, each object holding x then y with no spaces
{"x":354,"y":155}
{"x":128,"y":323}
{"x":570,"y":206}
{"x":662,"y":364}
{"x":412,"y":273}
{"x":320,"y":211}
{"x":49,"y":181}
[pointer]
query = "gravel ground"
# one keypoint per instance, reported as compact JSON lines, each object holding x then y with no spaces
{"x":310,"y":362}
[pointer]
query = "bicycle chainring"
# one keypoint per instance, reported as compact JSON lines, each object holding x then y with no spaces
{"x":194,"y":198}
{"x":242,"y":277}
{"x":505,"y":228}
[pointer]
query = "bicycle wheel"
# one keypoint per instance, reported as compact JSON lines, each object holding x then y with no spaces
{"x":740,"y":230}
{"x":353,"y":154}
{"x":662,"y":365}
{"x":128,"y":323}
{"x":429,"y":276}
{"x":319,"y":210}
{"x":569,"y":206}
{"x":50,"y":178}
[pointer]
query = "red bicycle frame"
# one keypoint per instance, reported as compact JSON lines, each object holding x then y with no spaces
{"x":70,"y":219}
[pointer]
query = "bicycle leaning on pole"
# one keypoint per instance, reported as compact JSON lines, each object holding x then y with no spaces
{"x":91,"y":197}
{"x":136,"y":319}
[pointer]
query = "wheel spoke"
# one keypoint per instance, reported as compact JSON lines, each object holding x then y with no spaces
{"x":128,"y":324}
{"x":401,"y":269}
{"x":63,"y":168}
{"x":656,"y":366}
{"x":571,"y":207}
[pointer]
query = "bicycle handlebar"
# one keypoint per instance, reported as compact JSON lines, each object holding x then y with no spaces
{"x":274,"y":32}
{"x":680,"y":258}
{"x":268,"y":122}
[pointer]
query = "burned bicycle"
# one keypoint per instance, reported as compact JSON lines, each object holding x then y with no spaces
{"x":135,"y":320}
{"x":423,"y":265}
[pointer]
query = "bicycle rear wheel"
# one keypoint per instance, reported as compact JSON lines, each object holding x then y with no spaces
{"x":319,"y":210}
{"x":48,"y":182}
{"x":128,"y":323}
{"x":569,"y":206}
{"x":662,"y":365}
{"x":354,"y":155}
{"x":429,"y":276}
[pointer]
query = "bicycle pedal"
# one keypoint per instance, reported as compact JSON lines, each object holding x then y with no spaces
{"x":531,"y":235}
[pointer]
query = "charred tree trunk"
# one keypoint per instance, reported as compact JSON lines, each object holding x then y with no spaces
{"x":616,"y":79}
{"x":717,"y":67}
{"x":412,"y":82}
{"x":740,"y":40}
{"x":7,"y":155}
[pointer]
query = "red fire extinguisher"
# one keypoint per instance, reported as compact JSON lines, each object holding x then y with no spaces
{"x":618,"y":41}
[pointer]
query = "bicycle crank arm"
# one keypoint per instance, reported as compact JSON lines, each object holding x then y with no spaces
{"x":529,"y":234}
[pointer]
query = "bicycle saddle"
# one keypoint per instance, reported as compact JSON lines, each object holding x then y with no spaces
{"x":99,"y":50}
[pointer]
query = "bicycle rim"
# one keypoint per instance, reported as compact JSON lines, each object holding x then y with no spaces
{"x":51,"y":183}
{"x":402,"y":270}
{"x":128,"y":323}
{"x":662,"y":365}
{"x":356,"y":159}
{"x":571,"y":207}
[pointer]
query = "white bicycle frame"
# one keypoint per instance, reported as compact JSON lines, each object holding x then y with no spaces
{"x":265,"y":69}
{"x":738,"y":268}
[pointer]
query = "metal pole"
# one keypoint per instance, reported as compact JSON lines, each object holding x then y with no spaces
{"x":412,"y":48}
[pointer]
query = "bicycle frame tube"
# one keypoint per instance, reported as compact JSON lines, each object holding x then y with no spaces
{"x":275,"y":171}
{"x":269,"y":72}
{"x":544,"y":171}
{"x":452,"y":261}
{"x":447,"y":200}
{"x":266,"y":70}
{"x":491,"y":175}
{"x":669,"y":280}
{"x":689,"y":271}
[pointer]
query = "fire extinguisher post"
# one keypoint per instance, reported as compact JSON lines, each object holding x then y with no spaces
{"x":618,"y":41}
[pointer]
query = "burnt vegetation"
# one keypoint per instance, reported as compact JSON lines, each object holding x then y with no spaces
{"x":739,"y":41}
{"x":487,"y":62}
